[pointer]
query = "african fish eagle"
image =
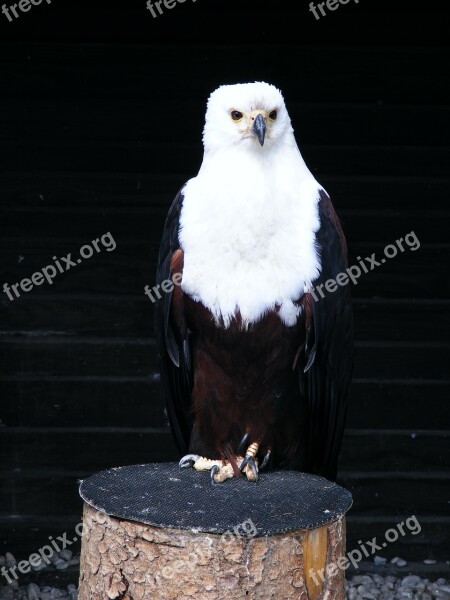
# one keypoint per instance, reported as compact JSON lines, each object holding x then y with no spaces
{"x":255,"y":366}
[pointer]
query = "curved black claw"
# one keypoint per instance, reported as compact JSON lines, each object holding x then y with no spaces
{"x":243,"y":444}
{"x":188,"y":460}
{"x":215,"y":469}
{"x":266,"y":460}
{"x":250,"y":461}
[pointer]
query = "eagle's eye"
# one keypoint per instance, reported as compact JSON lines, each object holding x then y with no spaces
{"x":273,"y":115}
{"x":236,"y":115}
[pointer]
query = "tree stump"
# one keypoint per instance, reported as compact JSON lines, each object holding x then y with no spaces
{"x":155,"y":532}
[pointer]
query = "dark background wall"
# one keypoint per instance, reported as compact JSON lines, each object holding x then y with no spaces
{"x":101,"y":112}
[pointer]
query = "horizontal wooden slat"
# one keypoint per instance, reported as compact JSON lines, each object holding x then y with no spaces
{"x":110,"y":357}
{"x":78,"y":315}
{"x":404,"y":404}
{"x":401,"y":320}
{"x":83,"y":449}
{"x":411,"y":274}
{"x":399,"y":361}
{"x":369,"y":450}
{"x":89,"y":449}
{"x":53,"y":356}
{"x":102,"y":315}
{"x":124,"y":401}
{"x":417,"y":494}
{"x":83,"y":402}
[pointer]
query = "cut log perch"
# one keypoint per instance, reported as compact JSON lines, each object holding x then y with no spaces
{"x":128,"y":560}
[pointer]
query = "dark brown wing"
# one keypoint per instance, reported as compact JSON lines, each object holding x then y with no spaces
{"x":330,"y":351}
{"x":173,"y":344}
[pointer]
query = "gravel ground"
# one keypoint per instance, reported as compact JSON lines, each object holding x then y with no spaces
{"x":389,"y":587}
{"x":59,"y":562}
{"x":372,"y":586}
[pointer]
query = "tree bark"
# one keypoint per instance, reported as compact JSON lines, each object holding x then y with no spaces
{"x":125,"y":560}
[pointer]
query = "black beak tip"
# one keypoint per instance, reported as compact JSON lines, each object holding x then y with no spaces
{"x":259,"y":127}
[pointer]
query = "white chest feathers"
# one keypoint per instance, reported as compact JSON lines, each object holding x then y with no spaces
{"x":248,"y":236}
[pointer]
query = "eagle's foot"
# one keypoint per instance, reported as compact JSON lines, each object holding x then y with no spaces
{"x":249,"y":465}
{"x":220,"y":470}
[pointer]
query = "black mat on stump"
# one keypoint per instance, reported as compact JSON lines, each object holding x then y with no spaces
{"x":163,"y":495}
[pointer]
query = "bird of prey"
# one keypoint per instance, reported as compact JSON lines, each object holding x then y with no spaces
{"x":255,"y":363}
